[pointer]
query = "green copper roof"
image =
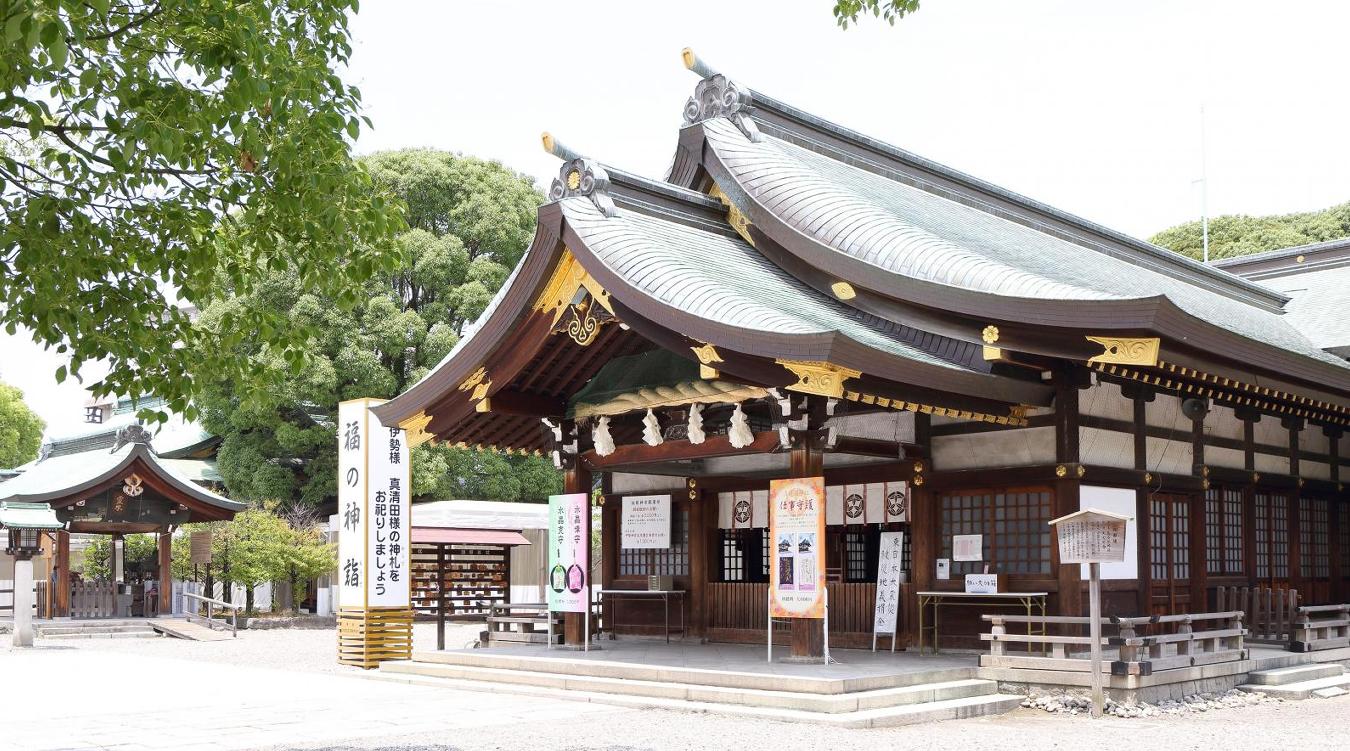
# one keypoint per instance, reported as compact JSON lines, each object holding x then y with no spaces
{"x":28,"y":516}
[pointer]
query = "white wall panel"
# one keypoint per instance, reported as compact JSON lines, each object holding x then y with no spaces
{"x":1001,"y":448}
{"x":1106,"y":448}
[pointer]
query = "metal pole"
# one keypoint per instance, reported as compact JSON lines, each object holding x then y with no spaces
{"x":768,"y":613}
{"x":827,"y":625}
{"x":1095,"y":636}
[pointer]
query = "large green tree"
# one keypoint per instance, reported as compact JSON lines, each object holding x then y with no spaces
{"x":147,"y":144}
{"x":847,"y":11}
{"x":20,"y":429}
{"x":469,"y":223}
{"x":1240,"y":235}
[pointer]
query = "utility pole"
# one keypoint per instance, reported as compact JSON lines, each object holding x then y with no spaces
{"x":1204,"y":190}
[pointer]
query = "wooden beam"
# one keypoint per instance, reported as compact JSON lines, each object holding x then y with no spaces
{"x":641,"y":453}
{"x":512,"y":402}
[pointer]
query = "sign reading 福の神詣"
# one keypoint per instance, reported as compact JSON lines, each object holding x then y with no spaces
{"x":797,"y":537}
{"x":890,"y":557}
{"x":374,"y":504}
{"x":568,"y":553}
{"x":645,"y":522}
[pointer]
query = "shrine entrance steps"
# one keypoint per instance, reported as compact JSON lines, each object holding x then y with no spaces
{"x":870,"y":700}
{"x":1321,"y":681}
{"x":181,"y":628}
{"x":120,"y":628}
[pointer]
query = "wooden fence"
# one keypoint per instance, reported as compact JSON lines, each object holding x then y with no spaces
{"x":741,"y":605}
{"x":1269,"y":611}
{"x":93,"y":600}
{"x":1135,"y":653}
{"x":1320,"y":627}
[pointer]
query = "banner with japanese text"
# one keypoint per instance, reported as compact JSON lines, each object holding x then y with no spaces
{"x":797,"y":538}
{"x":890,"y":561}
{"x":569,"y":548}
{"x":374,"y":480}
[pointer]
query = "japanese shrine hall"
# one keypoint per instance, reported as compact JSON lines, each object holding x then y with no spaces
{"x":797,"y":299}
{"x":128,"y":489}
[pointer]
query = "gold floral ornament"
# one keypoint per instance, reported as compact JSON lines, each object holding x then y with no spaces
{"x":990,"y":334}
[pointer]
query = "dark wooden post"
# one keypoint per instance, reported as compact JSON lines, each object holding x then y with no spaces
{"x":61,"y":597}
{"x":1198,"y":560}
{"x":1340,"y":516}
{"x":577,"y":479}
{"x":924,"y":528}
{"x":1143,"y":525}
{"x":808,"y":634}
{"x":1067,"y":380}
{"x":699,"y":556}
{"x":1294,"y":425}
{"x":1249,"y":418}
{"x":165,"y":573}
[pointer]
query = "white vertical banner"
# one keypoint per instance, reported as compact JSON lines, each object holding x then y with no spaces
{"x":374,"y":503}
{"x":890,"y":556}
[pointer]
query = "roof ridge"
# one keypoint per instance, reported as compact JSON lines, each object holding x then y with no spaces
{"x":1187,"y":269}
{"x":1236,"y":264}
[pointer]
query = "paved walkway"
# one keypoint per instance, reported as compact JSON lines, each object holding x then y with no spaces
{"x":89,"y":699}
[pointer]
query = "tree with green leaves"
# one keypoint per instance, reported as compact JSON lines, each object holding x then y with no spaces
{"x":149,"y":146}
{"x":20,"y":429}
{"x":138,"y":552}
{"x":469,"y":223}
{"x":1239,"y":235}
{"x":847,"y":11}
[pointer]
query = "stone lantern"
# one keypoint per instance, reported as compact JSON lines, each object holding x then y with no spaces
{"x":25,"y":524}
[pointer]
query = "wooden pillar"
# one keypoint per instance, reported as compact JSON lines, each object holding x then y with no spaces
{"x":578,"y":480}
{"x":1070,"y":595}
{"x":1142,"y":520}
{"x":61,"y":597}
{"x":1249,"y":419}
{"x":1340,"y":516}
{"x":165,"y":573}
{"x":699,"y":555}
{"x":1199,"y":581}
{"x":808,"y":634}
{"x":925,"y":529}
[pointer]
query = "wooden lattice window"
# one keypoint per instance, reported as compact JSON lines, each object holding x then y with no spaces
{"x":671,"y":561}
{"x":745,"y":555}
{"x":1314,"y":522}
{"x":1223,"y":531}
{"x":1014,"y":525}
{"x":1170,"y":537}
{"x":1345,"y":539}
{"x":1272,"y":536}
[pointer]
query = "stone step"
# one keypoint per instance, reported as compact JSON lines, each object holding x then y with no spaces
{"x":949,"y":709}
{"x":91,"y":629}
{"x":145,"y":634}
{"x":600,"y":668}
{"x":1295,"y":674}
{"x":1301,"y":690}
{"x":1330,"y":692}
{"x":802,"y":701}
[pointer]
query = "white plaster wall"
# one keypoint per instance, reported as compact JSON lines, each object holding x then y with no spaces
{"x":1313,"y":440}
{"x":626,"y":482}
{"x":1314,"y":470}
{"x":1106,"y":448}
{"x":1221,"y":457}
{"x":1165,"y":412}
{"x":1105,"y":400}
{"x":1171,"y":457}
{"x":1272,"y":464}
{"x":1222,"y":422}
{"x":1118,"y":501}
{"x":1270,"y":432}
{"x":1002,"y":448}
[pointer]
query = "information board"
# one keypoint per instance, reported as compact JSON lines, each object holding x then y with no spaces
{"x":200,"y":546}
{"x":646,"y":522}
{"x":890,"y":556}
{"x":967,"y":547}
{"x":569,"y":548}
{"x":797,"y":537}
{"x":1091,"y":540}
{"x":374,"y":479}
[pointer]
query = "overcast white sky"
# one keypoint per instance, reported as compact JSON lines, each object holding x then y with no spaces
{"x":1092,"y":107}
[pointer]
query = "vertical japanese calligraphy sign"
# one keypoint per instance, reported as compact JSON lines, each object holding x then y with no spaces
{"x":797,"y":539}
{"x":567,"y":580}
{"x":890,"y":557}
{"x":374,"y":503}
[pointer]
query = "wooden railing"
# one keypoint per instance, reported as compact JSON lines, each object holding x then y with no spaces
{"x":1269,"y":611}
{"x":1320,"y":627}
{"x":1135,"y":654}
{"x":93,"y":599}
{"x":744,"y":605}
{"x":210,"y":605}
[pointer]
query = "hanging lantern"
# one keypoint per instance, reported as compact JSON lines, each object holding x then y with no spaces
{"x":651,"y":430}
{"x":696,"y":434}
{"x":740,"y":435}
{"x":604,"y":442}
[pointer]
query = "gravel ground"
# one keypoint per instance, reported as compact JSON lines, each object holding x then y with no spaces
{"x":1280,"y":725}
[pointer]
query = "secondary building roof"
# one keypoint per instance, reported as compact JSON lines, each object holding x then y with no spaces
{"x":1316,"y":278}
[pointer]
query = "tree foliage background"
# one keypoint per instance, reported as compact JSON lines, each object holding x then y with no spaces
{"x":1239,"y":235}
{"x":20,"y":429}
{"x":469,"y":223}
{"x":149,"y":145}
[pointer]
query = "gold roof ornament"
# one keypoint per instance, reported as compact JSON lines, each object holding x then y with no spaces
{"x":843,"y":290}
{"x":416,"y":429}
{"x":1126,"y":351}
{"x":707,"y":354}
{"x":735,"y":217}
{"x":990,"y":334}
{"x":818,"y":377}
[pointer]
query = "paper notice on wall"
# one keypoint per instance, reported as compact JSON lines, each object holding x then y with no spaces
{"x":890,"y":556}
{"x":967,"y":547}
{"x":645,"y":523}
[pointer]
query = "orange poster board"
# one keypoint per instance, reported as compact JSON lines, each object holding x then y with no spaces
{"x":797,"y":539}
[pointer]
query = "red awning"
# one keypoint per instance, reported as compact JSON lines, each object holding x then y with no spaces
{"x":461,"y":536}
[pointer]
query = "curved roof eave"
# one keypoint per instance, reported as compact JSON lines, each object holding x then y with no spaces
{"x":1098,"y":314}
